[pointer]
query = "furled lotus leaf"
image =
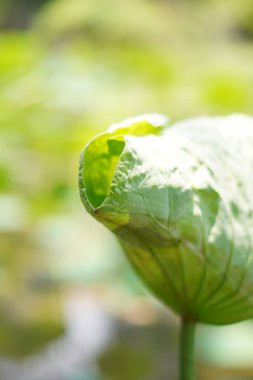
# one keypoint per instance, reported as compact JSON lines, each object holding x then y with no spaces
{"x":180,"y":201}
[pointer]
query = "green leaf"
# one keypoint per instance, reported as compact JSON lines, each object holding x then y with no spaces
{"x":180,"y":201}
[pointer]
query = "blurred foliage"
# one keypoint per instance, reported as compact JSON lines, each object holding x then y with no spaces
{"x":17,"y":14}
{"x":144,"y":354}
{"x":68,"y":69}
{"x":19,"y":340}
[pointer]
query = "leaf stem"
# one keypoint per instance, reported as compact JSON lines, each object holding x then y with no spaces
{"x":187,"y":350}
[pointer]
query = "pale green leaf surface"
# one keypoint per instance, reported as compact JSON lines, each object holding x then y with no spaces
{"x":180,"y":201}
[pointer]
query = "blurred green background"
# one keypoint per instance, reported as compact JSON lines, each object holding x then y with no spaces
{"x":70,"y":306}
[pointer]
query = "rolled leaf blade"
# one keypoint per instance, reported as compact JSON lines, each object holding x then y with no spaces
{"x":180,"y":201}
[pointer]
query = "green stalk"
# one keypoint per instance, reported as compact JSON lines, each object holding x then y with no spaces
{"x":187,"y":350}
